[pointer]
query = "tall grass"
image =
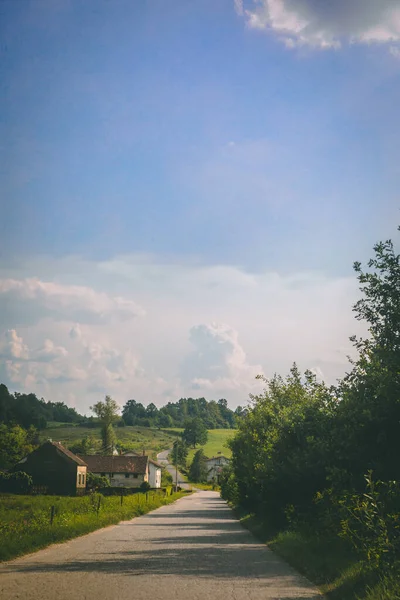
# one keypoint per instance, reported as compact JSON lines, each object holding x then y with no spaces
{"x":25,"y":521}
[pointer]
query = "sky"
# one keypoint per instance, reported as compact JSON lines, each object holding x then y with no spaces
{"x":184,"y":188}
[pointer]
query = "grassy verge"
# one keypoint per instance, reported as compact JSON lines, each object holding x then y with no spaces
{"x":329,"y":562}
{"x":205,"y":486}
{"x":25,"y":520}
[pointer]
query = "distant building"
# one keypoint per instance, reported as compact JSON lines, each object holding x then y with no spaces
{"x":155,"y":470}
{"x":126,"y":470}
{"x":55,"y":470}
{"x":215,"y":466}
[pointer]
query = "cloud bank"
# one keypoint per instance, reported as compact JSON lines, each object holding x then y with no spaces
{"x":324,"y":23}
{"x":204,"y":330}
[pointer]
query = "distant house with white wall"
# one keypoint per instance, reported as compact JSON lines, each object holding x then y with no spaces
{"x":155,"y":470}
{"x":215,"y":466}
{"x":127,"y":470}
{"x":121,"y":471}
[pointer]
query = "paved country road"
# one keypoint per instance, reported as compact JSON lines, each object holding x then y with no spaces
{"x":163,"y":459}
{"x":193,"y":549}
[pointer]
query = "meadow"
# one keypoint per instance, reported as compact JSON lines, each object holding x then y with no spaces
{"x":216,"y":442}
{"x":150,"y":440}
{"x":28,"y":523}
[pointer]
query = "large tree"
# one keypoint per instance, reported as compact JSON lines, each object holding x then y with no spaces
{"x":195,"y":432}
{"x":107,"y":412}
{"x":179,"y":453}
{"x":198,"y":468}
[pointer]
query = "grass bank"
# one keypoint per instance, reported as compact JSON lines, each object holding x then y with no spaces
{"x":25,"y":521}
{"x":329,"y":562}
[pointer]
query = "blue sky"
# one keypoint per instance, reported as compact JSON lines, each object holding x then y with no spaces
{"x":151,"y":146}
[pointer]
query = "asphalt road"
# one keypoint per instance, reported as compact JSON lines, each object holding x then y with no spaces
{"x":163,"y":459}
{"x":193,"y":549}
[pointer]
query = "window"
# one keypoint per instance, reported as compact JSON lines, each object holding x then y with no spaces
{"x":83,"y":479}
{"x":127,"y":475}
{"x":135,"y":476}
{"x":103,"y":474}
{"x":79,"y":479}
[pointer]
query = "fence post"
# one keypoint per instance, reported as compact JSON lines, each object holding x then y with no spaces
{"x":122,"y":498}
{"x":52,"y":511}
{"x":147,"y":497}
{"x":98,"y":505}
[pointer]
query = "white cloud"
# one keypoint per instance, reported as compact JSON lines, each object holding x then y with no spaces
{"x":29,"y":300}
{"x":395,"y":51}
{"x":218,"y":361}
{"x":324,"y":24}
{"x":179,"y":348}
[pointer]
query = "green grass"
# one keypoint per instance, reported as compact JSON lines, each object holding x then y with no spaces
{"x":142,"y":438}
{"x":216,"y":442}
{"x":25,"y":520}
{"x":329,"y":562}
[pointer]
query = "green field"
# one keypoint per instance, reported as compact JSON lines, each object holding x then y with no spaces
{"x":141,"y":438}
{"x":216,"y":442}
{"x":25,"y":521}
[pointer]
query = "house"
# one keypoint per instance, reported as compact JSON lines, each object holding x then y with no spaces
{"x":122,"y":471}
{"x":155,"y":470}
{"x":215,"y":466}
{"x":55,"y":469}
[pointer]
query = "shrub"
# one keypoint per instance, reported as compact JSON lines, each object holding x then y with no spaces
{"x":16,"y":483}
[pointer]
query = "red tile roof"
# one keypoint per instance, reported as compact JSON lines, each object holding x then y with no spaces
{"x":116,"y":464}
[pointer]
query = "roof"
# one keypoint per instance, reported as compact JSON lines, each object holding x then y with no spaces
{"x":153,"y":462}
{"x":116,"y":464}
{"x":67,"y":453}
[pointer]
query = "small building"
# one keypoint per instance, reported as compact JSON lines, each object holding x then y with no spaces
{"x":215,"y":466}
{"x":55,"y":470}
{"x":155,"y":469}
{"x":122,"y":471}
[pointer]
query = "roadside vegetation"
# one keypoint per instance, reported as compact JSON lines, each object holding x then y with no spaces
{"x":315,"y":469}
{"x":28,"y":523}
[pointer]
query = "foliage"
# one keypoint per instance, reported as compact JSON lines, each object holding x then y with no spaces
{"x":198,"y":468}
{"x":195,"y":432}
{"x":25,"y":520}
{"x":15,"y":483}
{"x":87,"y":445}
{"x":15,"y":443}
{"x":27,"y":410}
{"x":96,"y":482}
{"x":179,"y":453}
{"x":302,"y":449}
{"x":107,"y":412}
{"x":175,"y":414}
{"x":145,"y":486}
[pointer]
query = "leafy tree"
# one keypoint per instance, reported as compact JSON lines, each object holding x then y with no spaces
{"x":151,"y":410}
{"x":96,"y":482}
{"x":15,"y":444}
{"x":165,"y":420}
{"x":195,"y":432}
{"x":198,"y":468}
{"x":179,"y":453}
{"x":107,"y":412}
{"x":87,"y":445}
{"x":133,"y":412}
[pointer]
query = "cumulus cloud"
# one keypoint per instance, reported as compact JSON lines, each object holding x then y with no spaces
{"x":29,"y":300}
{"x":13,"y":346}
{"x":324,"y":23}
{"x":218,"y":361}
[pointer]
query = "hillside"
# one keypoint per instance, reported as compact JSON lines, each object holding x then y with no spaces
{"x":216,"y":442}
{"x":140,"y":438}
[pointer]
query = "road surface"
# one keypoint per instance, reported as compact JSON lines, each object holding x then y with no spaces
{"x":163,"y":459}
{"x":193,"y":549}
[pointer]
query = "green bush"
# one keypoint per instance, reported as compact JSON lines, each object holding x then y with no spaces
{"x":15,"y":483}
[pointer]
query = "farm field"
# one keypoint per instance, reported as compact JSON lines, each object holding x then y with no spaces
{"x":141,"y":438}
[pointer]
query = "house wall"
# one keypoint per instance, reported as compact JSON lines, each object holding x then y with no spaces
{"x":154,"y":476}
{"x":215,"y":466}
{"x":81,"y":475}
{"x":132,"y":480}
{"x":50,"y":469}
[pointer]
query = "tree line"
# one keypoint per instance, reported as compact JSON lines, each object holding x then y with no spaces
{"x":326,"y":458}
